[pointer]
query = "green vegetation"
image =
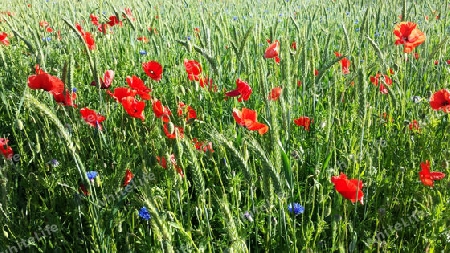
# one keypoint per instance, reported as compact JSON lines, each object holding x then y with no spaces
{"x":236,"y":198}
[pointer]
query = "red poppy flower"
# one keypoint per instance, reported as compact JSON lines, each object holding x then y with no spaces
{"x":133,"y":107}
{"x":191,"y":113}
{"x":304,"y":122}
{"x":428,"y":177}
{"x":106,"y":81}
{"x":65,"y":98}
{"x":113,"y":20}
{"x":272,"y":50}
{"x":199,"y":145}
{"x":409,"y":35}
{"x":92,"y":118}
{"x":161,"y":111}
{"x":349,"y":188}
{"x":127,"y":178}
{"x":46,"y":82}
{"x":5,"y":149}
{"x":440,"y":100}
{"x":89,"y":40}
{"x":121,"y":92}
{"x":275,"y":93}
{"x":193,"y":68}
{"x":378,"y":81}
{"x":153,"y":70}
{"x":316,"y":72}
{"x":171,"y":131}
{"x":414,"y":126}
{"x":345,"y":63}
{"x":138,"y":85}
{"x":143,"y":39}
{"x":247,"y":118}
{"x":294,"y":45}
{"x":242,"y":89}
{"x":94,"y":19}
{"x":163,"y":162}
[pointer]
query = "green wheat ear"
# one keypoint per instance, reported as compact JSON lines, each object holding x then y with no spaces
{"x":197,"y":175}
{"x":269,"y":171}
{"x":159,"y":226}
{"x":43,"y":109}
{"x":219,"y":138}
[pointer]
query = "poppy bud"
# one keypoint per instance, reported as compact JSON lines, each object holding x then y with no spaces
{"x":170,"y":127}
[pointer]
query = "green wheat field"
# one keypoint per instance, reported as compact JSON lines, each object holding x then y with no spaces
{"x":224,"y":126}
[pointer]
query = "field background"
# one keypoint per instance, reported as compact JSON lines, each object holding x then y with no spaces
{"x":356,"y":129}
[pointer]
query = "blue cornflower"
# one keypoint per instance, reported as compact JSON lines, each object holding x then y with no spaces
{"x":144,"y":214}
{"x":248,"y":216}
{"x":54,"y":163}
{"x":74,"y":90}
{"x":91,"y":174}
{"x":46,"y":39}
{"x":188,"y":37}
{"x":296,"y":208}
{"x":142,"y":52}
{"x":235,"y":18}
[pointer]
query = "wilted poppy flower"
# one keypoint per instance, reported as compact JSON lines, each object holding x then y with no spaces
{"x":275,"y":93}
{"x":163,"y":162}
{"x":193,"y":68}
{"x":348,"y":188}
{"x":171,"y":131}
{"x":272,"y":51}
{"x":92,"y":118}
{"x":304,"y":122}
{"x":106,"y":81}
{"x":138,"y":85}
{"x":247,"y":118}
{"x":428,"y":177}
{"x":295,"y":208}
{"x":82,"y":188}
{"x":153,"y":70}
{"x":440,"y":100}
{"x":133,"y":107}
{"x":4,"y":38}
{"x":161,"y":111}
{"x":127,"y":178}
{"x":5,"y":149}
{"x":243,"y":90}
{"x":129,"y":14}
{"x":345,"y":63}
{"x":409,"y":35}
{"x":121,"y":92}
{"x":205,"y":81}
{"x":144,"y":214}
